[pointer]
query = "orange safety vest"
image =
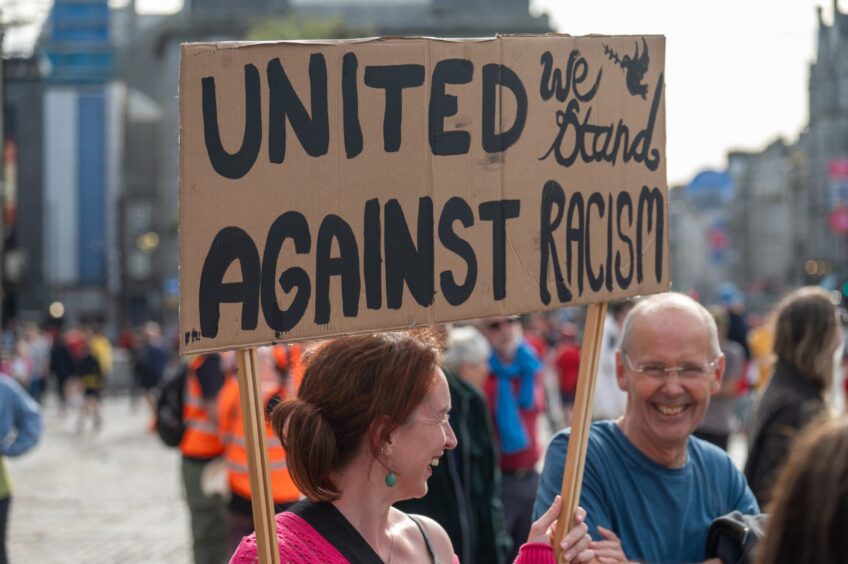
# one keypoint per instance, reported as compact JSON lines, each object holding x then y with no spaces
{"x":231,"y":427}
{"x":287,"y":357}
{"x":200,"y":438}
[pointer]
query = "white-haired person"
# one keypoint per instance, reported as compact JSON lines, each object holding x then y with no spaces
{"x":464,"y":491}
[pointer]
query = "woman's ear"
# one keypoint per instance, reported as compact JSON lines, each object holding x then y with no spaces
{"x":379,"y":434}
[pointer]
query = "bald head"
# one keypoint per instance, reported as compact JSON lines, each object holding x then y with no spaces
{"x":669,"y":301}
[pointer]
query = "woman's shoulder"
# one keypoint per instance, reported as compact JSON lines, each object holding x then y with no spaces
{"x":297,"y":541}
{"x":413,"y":526}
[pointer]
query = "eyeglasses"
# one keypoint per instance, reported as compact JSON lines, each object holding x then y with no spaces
{"x":657,"y":371}
{"x":495,"y":325}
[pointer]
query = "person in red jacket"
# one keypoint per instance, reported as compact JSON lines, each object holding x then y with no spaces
{"x":516,"y":396}
{"x":568,"y":368}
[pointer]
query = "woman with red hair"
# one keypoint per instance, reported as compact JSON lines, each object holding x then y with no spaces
{"x":369,"y":424}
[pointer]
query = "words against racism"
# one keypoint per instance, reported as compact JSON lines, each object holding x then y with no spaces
{"x":389,"y":255}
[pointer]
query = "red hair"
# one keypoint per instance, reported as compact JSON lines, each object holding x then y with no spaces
{"x":349,"y":384}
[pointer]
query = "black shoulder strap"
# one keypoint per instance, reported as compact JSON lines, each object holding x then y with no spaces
{"x":433,"y":556}
{"x":332,"y":525}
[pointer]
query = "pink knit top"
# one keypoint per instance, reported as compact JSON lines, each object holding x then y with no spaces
{"x":301,"y":544}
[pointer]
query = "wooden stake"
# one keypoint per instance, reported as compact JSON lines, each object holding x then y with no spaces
{"x":581,"y":420}
{"x":262,"y":499}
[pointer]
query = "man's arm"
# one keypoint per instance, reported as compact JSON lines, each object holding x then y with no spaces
{"x":605,"y":543}
{"x":26,"y":420}
{"x":743,"y":499}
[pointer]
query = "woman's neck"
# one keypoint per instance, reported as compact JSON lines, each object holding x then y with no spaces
{"x":366,"y":503}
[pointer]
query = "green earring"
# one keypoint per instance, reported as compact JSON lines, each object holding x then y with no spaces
{"x":391,"y":479}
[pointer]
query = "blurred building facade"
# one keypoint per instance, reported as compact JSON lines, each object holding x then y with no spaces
{"x":82,"y":150}
{"x":787,"y":224}
{"x":25,"y":288}
{"x":699,"y":233}
{"x":824,"y":153}
{"x":91,"y":167}
{"x":92,"y":163}
{"x":150,"y":68}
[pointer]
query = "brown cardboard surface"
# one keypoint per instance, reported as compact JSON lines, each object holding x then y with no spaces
{"x":582,"y":183}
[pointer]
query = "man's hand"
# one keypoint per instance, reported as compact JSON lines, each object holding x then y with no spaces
{"x":609,"y":549}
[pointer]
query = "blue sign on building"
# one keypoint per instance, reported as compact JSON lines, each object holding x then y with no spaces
{"x":711,"y":189}
{"x":81,"y":64}
{"x":79,"y":48}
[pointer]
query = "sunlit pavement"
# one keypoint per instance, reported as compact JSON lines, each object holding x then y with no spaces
{"x":105,"y":496}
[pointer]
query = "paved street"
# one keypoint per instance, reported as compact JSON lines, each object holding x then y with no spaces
{"x":112,"y":496}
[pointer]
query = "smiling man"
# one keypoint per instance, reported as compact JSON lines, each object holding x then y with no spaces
{"x":650,"y":488}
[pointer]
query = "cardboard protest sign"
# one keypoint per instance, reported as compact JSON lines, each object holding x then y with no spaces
{"x":344,"y":186}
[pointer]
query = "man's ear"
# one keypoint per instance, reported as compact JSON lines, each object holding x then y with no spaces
{"x":718,"y":374}
{"x":619,"y":371}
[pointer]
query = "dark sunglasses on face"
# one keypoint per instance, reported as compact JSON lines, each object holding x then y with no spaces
{"x":495,"y":325}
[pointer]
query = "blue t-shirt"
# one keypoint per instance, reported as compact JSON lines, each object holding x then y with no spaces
{"x":660,"y":514}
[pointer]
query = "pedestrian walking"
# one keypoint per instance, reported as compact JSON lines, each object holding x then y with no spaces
{"x":91,"y":377}
{"x":610,"y":400}
{"x":568,"y":369}
{"x":202,"y":460}
{"x":38,"y":347}
{"x":516,"y":397}
{"x":101,"y":347}
{"x":20,"y":429}
{"x":809,"y":512}
{"x":151,"y":360}
{"x":719,"y":419}
{"x":61,"y":367}
{"x":274,"y":378}
{"x":808,"y":333}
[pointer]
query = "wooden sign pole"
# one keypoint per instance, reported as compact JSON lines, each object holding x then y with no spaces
{"x":262,"y":498}
{"x":581,"y":420}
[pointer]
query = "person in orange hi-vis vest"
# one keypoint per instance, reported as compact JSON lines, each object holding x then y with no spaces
{"x":288,"y":361}
{"x":274,"y":372}
{"x":202,"y":459}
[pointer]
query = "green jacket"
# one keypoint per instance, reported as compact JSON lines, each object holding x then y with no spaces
{"x":464,"y":491}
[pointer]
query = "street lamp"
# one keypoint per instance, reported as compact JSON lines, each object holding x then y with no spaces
{"x":56,"y":310}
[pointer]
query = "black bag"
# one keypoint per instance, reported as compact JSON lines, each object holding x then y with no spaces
{"x":169,"y":408}
{"x":733,"y":538}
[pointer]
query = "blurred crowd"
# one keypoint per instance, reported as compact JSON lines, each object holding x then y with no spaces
{"x":512,"y":381}
{"x":77,"y":363}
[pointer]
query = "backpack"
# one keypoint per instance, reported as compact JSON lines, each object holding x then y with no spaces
{"x":733,"y":538}
{"x":169,"y":408}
